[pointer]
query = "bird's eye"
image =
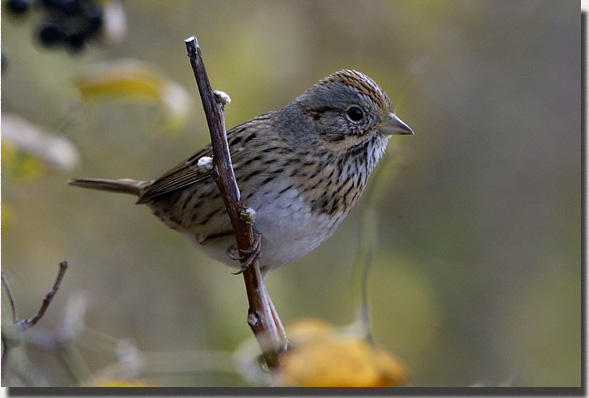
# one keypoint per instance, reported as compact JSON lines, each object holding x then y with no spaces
{"x":355,"y":114}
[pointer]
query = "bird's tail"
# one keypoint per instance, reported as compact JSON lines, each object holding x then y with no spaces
{"x":125,"y":185}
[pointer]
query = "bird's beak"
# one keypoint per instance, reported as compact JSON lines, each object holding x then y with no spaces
{"x":393,"y":125}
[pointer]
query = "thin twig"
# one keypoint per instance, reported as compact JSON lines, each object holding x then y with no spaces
{"x":5,"y":338}
{"x":3,"y":361}
{"x":11,"y":337}
{"x":368,"y":237}
{"x":262,"y":319}
{"x":11,"y":298}
{"x":28,"y":323}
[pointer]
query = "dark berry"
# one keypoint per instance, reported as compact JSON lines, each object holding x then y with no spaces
{"x":76,"y":41}
{"x":94,"y":21}
{"x":51,"y":3}
{"x":18,"y":6}
{"x":50,"y":36}
{"x":92,"y":10}
{"x":68,"y":7}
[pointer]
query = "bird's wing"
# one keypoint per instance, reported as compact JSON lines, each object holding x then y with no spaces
{"x":186,"y":173}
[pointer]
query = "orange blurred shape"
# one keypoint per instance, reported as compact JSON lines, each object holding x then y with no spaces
{"x":325,"y":357}
{"x":119,"y":383}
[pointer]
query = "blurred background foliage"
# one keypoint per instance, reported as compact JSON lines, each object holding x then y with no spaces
{"x":477,"y":273}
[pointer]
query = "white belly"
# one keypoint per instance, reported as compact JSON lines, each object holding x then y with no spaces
{"x":289,"y":228}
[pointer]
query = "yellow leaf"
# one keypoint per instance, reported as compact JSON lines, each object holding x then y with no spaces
{"x":305,"y":329}
{"x":119,"y":383}
{"x":133,"y":80}
{"x":324,"y":357}
{"x":26,"y":147}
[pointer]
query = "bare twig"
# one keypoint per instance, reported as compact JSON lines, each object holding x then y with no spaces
{"x":11,"y":337}
{"x":11,"y":298}
{"x":262,"y":317}
{"x":28,"y":323}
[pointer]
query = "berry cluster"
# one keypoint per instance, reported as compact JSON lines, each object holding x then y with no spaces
{"x":64,"y":23}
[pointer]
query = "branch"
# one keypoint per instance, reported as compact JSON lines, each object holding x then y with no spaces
{"x":12,"y":335}
{"x":11,"y":298}
{"x":25,"y":324}
{"x":262,"y":317}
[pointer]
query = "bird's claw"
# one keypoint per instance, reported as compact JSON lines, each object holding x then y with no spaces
{"x":230,"y":252}
{"x":253,"y":253}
